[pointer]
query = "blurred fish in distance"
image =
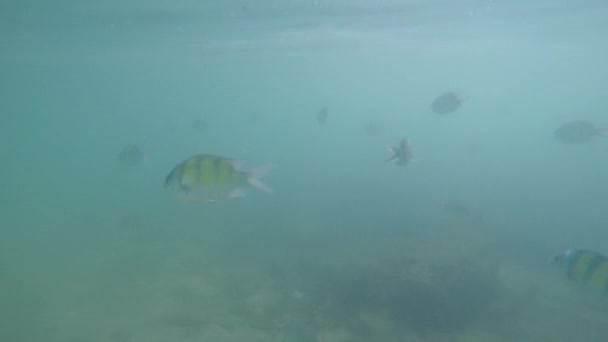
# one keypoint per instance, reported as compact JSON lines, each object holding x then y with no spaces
{"x":322,"y":115}
{"x":578,"y":131}
{"x":401,"y":153}
{"x":131,"y":155}
{"x":446,"y":103}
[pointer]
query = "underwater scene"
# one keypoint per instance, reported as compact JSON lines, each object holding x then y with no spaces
{"x":303,"y":171}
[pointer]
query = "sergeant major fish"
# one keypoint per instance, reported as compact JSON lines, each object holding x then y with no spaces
{"x":208,"y":178}
{"x":401,"y":153}
{"x":584,"y":267}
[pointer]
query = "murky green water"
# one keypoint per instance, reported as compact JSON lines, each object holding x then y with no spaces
{"x":453,"y":247}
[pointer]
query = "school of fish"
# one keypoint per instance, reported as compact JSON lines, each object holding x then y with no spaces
{"x":209,"y":178}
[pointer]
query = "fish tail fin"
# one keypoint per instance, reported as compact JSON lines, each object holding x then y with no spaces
{"x":254,"y":178}
{"x":392,"y":154}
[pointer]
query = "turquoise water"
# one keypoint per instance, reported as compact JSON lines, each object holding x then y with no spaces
{"x":453,"y":247}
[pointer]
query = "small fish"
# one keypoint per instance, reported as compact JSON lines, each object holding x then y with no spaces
{"x":208,"y":178}
{"x":578,"y":132}
{"x":446,"y":103}
{"x":401,"y":153}
{"x":131,"y":155}
{"x":322,"y":116}
{"x":584,"y":267}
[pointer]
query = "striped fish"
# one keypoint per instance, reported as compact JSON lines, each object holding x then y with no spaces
{"x":585,"y":267}
{"x":207,"y":178}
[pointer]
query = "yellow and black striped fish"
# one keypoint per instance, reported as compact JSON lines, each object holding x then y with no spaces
{"x":206,"y":178}
{"x":585,"y":267}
